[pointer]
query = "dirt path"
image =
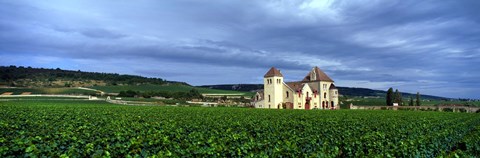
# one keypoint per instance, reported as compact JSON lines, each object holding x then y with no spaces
{"x":91,"y":89}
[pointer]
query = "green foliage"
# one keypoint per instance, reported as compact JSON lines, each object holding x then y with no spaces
{"x":381,"y":102}
{"x":410,"y":102}
{"x":75,"y":91}
{"x":390,"y":97}
{"x":13,"y":73}
{"x":192,"y":94}
{"x":98,"y":129}
{"x":397,"y":98}
{"x":418,"y":99}
{"x":447,"y":110}
{"x":128,"y":93}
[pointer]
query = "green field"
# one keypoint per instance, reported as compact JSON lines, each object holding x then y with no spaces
{"x":18,"y":91}
{"x":117,"y":89}
{"x":94,"y":128}
{"x":36,"y":98}
{"x":167,"y":88}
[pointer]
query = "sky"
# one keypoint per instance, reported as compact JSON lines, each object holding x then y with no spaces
{"x":430,"y":46}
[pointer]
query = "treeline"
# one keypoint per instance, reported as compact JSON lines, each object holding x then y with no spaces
{"x":192,"y":94}
{"x":396,"y":97}
{"x":11,"y":74}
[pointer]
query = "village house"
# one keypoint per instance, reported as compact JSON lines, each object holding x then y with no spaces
{"x":315,"y":91}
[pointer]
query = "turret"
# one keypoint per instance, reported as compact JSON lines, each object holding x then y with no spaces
{"x":334,"y":96}
{"x":273,"y":88}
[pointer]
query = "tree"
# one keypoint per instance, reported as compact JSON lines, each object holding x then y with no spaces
{"x":390,"y":97}
{"x":398,"y":97}
{"x":418,"y":98}
{"x":410,"y":103}
{"x":194,"y":94}
{"x":128,"y":93}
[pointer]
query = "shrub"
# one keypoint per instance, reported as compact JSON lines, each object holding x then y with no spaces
{"x":447,"y":110}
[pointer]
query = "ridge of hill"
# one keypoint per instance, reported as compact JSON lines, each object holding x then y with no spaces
{"x":345,"y":91}
{"x":27,"y":80}
{"x":40,"y":77}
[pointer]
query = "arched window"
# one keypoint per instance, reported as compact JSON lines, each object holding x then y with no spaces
{"x":287,"y":94}
{"x":257,"y":97}
{"x":268,"y":98}
{"x":324,"y":95}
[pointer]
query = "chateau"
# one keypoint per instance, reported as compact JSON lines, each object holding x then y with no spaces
{"x":315,"y":91}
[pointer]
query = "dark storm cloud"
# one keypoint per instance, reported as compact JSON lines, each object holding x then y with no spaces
{"x":426,"y":46}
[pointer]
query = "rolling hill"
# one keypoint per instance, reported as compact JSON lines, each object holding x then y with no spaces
{"x":26,"y":80}
{"x":40,"y":77}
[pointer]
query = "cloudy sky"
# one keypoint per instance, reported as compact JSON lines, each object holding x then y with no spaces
{"x":428,"y":46}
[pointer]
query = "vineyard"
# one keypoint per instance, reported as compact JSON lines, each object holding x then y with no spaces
{"x":86,"y":128}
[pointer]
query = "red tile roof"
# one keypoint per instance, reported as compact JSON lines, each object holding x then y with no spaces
{"x":319,"y":75}
{"x":313,"y":87}
{"x":295,"y":85}
{"x":273,"y":72}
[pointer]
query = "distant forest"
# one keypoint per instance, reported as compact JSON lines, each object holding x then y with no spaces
{"x":41,"y":77}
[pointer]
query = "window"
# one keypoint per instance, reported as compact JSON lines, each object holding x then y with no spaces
{"x":307,"y":94}
{"x":268,"y":98}
{"x":335,"y":92}
{"x":324,"y":86}
{"x":287,"y":94}
{"x":324,"y":95}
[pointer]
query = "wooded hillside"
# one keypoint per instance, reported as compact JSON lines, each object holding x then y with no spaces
{"x":41,"y":77}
